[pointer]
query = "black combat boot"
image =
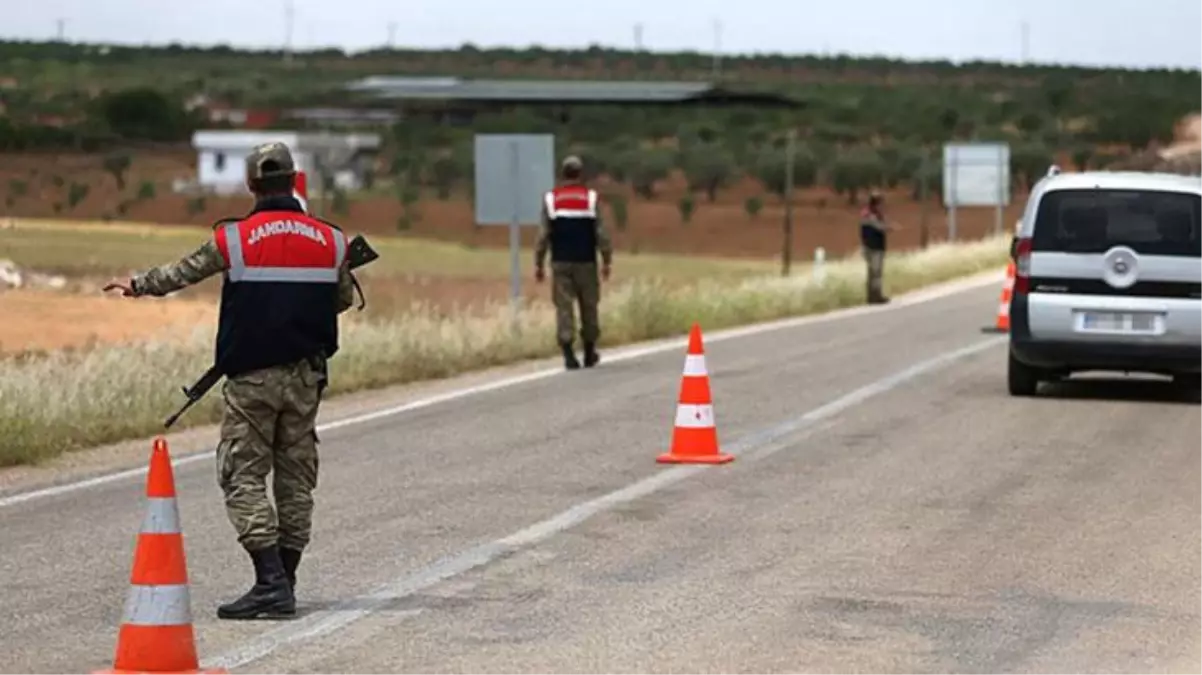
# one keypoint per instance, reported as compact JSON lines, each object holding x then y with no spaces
{"x":569,"y":356}
{"x":271,"y":596}
{"x":876,"y":298}
{"x":591,"y":357}
{"x":291,"y":558}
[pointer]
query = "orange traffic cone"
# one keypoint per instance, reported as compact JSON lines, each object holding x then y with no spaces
{"x":1002,"y":324}
{"x":300,"y":190}
{"x":694,"y":437}
{"x":156,"y":634}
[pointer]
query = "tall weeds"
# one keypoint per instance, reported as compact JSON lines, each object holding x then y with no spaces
{"x":65,"y":401}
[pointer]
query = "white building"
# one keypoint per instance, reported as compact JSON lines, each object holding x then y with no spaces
{"x":221,"y":156}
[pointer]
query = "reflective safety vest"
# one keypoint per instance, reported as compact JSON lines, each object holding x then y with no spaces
{"x":871,"y":237}
{"x":572,"y":213}
{"x":279,"y":302}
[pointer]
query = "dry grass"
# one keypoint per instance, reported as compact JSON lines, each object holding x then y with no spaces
{"x":66,"y":401}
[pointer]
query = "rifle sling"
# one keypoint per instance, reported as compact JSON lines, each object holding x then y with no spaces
{"x":359,"y":290}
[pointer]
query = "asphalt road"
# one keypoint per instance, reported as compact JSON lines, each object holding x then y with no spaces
{"x":890,"y":509}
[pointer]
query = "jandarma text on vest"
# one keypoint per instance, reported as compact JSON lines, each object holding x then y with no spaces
{"x":285,"y":227}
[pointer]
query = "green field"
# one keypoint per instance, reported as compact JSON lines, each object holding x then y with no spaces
{"x":108,"y":249}
{"x":450,"y":276}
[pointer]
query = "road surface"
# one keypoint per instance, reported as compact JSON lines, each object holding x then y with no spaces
{"x":890,"y":509}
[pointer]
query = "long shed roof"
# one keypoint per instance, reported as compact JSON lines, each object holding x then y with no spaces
{"x":591,"y":91}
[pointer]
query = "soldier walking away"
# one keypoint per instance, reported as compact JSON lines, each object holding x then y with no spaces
{"x":873,"y":229}
{"x":285,"y":281}
{"x":572,"y":229}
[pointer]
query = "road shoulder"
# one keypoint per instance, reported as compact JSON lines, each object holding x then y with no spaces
{"x":97,"y":463}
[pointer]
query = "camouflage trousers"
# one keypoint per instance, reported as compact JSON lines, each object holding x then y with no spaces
{"x":269,"y":428}
{"x":574,"y":283}
{"x":876,"y":268}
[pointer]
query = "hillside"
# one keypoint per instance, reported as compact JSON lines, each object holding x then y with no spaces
{"x":881,"y":95}
{"x":95,"y":131}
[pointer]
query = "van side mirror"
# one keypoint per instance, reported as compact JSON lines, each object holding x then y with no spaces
{"x":1013,"y":247}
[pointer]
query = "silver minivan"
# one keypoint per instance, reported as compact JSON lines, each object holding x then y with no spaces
{"x":1108,"y":277}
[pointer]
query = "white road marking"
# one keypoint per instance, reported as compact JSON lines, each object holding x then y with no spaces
{"x":759,"y":445}
{"x":625,"y":354}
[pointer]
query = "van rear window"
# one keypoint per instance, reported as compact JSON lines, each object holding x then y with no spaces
{"x":1093,"y":221}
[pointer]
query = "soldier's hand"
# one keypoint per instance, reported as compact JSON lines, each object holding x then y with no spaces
{"x":605,"y":269}
{"x":539,"y":274}
{"x":126,"y":286}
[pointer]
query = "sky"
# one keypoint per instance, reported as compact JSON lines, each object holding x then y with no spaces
{"x":1125,"y":33}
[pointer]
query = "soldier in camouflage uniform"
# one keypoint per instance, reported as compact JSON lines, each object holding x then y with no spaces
{"x":873,"y":237}
{"x":572,"y":230}
{"x":285,"y":281}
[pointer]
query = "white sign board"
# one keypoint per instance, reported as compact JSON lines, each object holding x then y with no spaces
{"x":976,"y":174}
{"x":513,"y":171}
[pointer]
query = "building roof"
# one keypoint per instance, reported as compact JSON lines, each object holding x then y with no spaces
{"x":343,"y":115}
{"x":579,"y":91}
{"x":237,"y":139}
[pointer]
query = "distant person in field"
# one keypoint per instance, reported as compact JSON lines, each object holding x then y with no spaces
{"x":572,"y":229}
{"x":873,"y":240}
{"x":286,"y":280}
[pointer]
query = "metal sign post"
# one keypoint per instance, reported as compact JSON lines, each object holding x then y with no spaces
{"x":515,"y":225}
{"x":786,"y":254}
{"x":975,"y":174}
{"x":513,"y":172}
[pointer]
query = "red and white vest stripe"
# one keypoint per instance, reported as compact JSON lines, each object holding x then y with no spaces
{"x":281,"y":247}
{"x":571,"y":201}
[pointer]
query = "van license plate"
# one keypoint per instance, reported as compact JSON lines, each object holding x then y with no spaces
{"x":1118,"y":322}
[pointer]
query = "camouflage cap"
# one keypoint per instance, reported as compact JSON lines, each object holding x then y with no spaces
{"x":269,"y":159}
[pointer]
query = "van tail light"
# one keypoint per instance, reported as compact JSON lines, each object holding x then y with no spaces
{"x":1022,"y":266}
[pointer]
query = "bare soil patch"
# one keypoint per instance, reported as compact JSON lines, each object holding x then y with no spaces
{"x":37,"y":320}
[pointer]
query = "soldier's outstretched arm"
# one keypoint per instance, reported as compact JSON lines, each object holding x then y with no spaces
{"x":876,"y":222}
{"x":193,"y":268}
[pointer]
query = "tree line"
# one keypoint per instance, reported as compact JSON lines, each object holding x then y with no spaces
{"x":860,"y":122}
{"x":712,"y":158}
{"x":763,"y":65}
{"x":842,"y":100}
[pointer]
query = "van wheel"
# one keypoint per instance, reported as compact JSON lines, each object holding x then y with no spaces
{"x":1189,"y":384}
{"x":1022,"y":379}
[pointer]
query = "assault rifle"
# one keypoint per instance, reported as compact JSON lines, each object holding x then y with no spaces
{"x":358,"y":254}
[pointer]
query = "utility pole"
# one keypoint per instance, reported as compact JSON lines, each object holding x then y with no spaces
{"x":289,"y":15}
{"x":62,"y":33}
{"x":787,"y":245}
{"x":924,"y":232}
{"x":638,"y":37}
{"x":1026,"y":42}
{"x":391,"y":35}
{"x":717,"y":67}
